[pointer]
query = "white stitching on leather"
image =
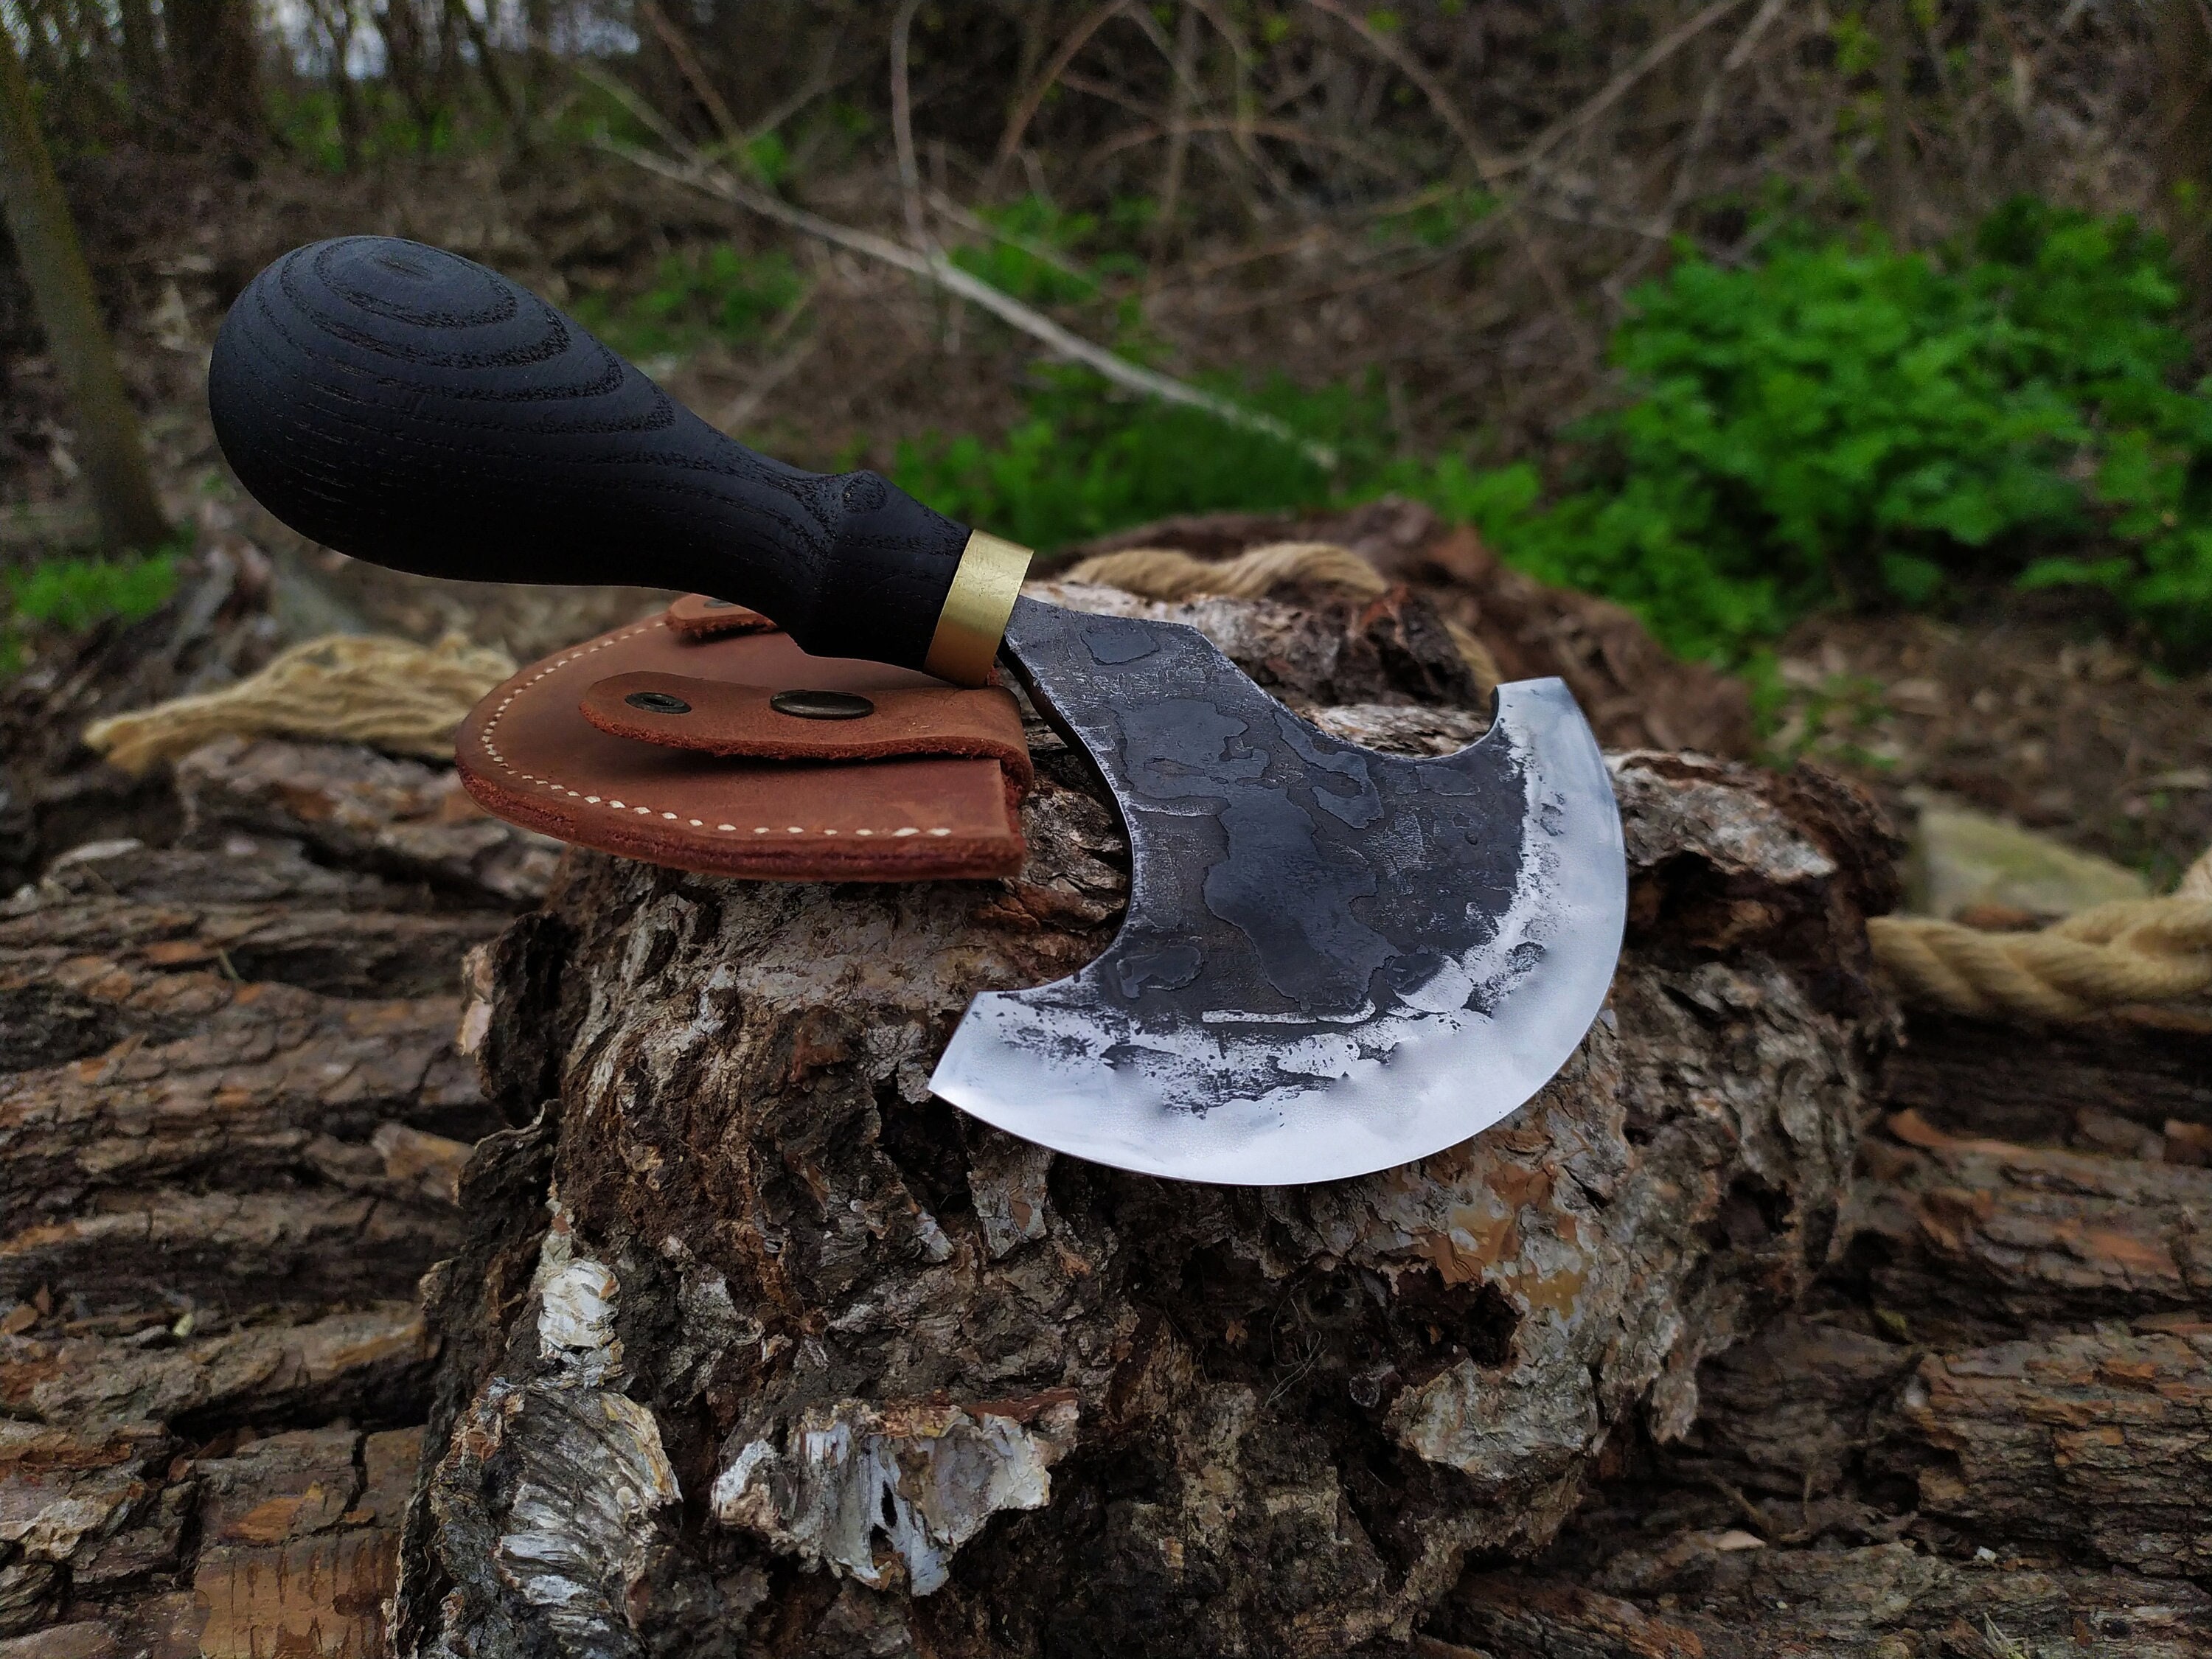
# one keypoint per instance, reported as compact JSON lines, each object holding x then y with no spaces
{"x":484,"y":742}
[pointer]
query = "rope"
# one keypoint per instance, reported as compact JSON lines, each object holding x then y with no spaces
{"x":1163,"y":573}
{"x":391,"y":693}
{"x":2131,"y":951}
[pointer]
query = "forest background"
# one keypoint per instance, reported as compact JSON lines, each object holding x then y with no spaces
{"x":1756,"y":316}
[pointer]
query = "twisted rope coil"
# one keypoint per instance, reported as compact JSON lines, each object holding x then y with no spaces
{"x":391,"y":693}
{"x":2131,"y":951}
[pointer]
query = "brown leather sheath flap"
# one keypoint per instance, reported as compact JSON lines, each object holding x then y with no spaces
{"x":528,"y":753}
{"x":717,"y":717}
{"x":697,"y":617}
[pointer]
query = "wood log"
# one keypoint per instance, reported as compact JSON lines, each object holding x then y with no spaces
{"x":1969,"y":1239}
{"x":1977,"y":1077}
{"x":2092,"y":1444}
{"x":1989,"y":1437}
{"x":769,"y":1352}
{"x":234,"y":1112}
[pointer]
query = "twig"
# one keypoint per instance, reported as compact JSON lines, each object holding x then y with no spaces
{"x":819,"y":82}
{"x":1283,"y":129}
{"x":1043,"y":252}
{"x":1180,"y":98}
{"x":1394,"y":52}
{"x":917,"y":226}
{"x":740,"y":409}
{"x":1240,"y":52}
{"x":1025,"y":111}
{"x":662,"y":127}
{"x":1186,"y":78}
{"x":694,"y":72}
{"x":696,"y":172}
{"x":1335,"y":287}
{"x":1610,"y":94}
{"x":1485,"y":163}
{"x":1694,"y":149}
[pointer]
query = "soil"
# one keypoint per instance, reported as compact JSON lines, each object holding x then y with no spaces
{"x":2068,"y":734}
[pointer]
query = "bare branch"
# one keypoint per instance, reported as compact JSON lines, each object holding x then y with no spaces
{"x":818,"y":83}
{"x":917,"y":223}
{"x":1033,"y":100}
{"x":1610,"y":94}
{"x":696,"y":172}
{"x":1694,"y":148}
{"x":1283,"y":129}
{"x":1394,"y":52}
{"x":694,"y":72}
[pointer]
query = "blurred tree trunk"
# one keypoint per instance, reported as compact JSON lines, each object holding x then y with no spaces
{"x":2184,"y":140}
{"x":61,"y":286}
{"x":44,"y":64}
{"x":139,"y":57}
{"x":404,"y":59}
{"x":216,"y":68}
{"x":1896,"y":191}
{"x":467,"y":24}
{"x":544,"y":67}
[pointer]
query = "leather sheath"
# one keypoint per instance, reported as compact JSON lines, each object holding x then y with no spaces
{"x":658,"y":741}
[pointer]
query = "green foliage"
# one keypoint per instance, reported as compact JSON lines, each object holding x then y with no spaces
{"x":309,"y":122}
{"x":767,"y":159}
{"x":1841,"y":424}
{"x":700,"y":293}
{"x":1851,"y":424}
{"x":1034,"y":251}
{"x":1089,"y":459}
{"x":1440,"y":221}
{"x":71,"y":595}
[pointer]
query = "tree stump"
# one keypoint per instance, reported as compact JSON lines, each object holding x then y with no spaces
{"x":756,"y":1349}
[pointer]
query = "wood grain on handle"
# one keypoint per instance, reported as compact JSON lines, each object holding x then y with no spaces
{"x":410,"y":407}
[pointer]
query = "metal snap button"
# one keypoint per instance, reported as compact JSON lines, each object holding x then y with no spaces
{"x":658,"y":702}
{"x":822,"y":705}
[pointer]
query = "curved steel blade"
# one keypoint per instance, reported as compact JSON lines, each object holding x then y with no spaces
{"x":1334,"y":960}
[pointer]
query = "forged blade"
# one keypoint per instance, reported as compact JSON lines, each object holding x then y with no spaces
{"x":1334,"y":960}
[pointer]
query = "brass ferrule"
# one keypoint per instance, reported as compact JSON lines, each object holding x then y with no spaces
{"x":973,"y":619}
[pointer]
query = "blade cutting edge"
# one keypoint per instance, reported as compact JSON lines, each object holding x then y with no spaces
{"x":1062,"y":1066}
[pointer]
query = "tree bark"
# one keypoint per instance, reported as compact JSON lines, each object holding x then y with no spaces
{"x":774,"y":1354}
{"x":61,"y":286}
{"x":232,"y":1115}
{"x":1987,"y":1434}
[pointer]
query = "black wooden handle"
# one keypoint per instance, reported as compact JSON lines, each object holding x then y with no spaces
{"x":410,"y":407}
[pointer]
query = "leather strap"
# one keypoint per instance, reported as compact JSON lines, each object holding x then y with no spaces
{"x":528,"y":754}
{"x":716,"y":717}
{"x":697,"y":617}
